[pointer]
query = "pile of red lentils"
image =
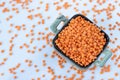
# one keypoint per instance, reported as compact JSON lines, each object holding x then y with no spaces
{"x":26,"y":51}
{"x":81,"y":40}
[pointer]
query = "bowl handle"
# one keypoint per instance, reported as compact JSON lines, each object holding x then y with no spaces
{"x":101,"y":63}
{"x":59,"y":19}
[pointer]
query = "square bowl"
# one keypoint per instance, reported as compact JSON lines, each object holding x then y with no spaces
{"x":66,"y":22}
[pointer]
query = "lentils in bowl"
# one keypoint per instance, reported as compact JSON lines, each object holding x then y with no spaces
{"x":81,"y":41}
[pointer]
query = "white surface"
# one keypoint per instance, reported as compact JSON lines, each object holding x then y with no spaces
{"x":19,"y":55}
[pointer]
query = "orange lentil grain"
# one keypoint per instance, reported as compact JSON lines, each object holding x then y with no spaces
{"x":10,"y":16}
{"x":10,"y":53}
{"x":37,"y":70}
{"x":35,"y":66}
{"x":43,"y":46}
{"x":38,"y":39}
{"x":26,"y":60}
{"x":30,"y":17}
{"x":2,"y":51}
{"x":22,"y":71}
{"x":84,"y":4}
{"x":39,"y":33}
{"x":16,"y":35}
{"x":11,"y":25}
{"x":52,"y":56}
{"x":32,"y":79}
{"x":113,"y":57}
{"x":5,"y":10}
{"x":47,"y":7}
{"x":58,"y":8}
{"x":48,"y":17}
{"x":92,"y":77}
{"x":64,"y":76}
{"x":23,"y":25}
{"x":17,"y":12}
{"x":46,"y":28}
{"x":111,"y":79}
{"x":55,"y":3}
{"x":66,"y":5}
{"x":26,"y":1}
{"x":9,"y":31}
{"x":2,"y":74}
{"x":38,"y":79}
{"x":116,"y":74}
{"x":43,"y":75}
{"x":7,"y":19}
{"x":39,"y":22}
{"x":28,"y":51}
{"x":27,"y":35}
{"x":111,"y":34}
{"x":110,"y":25}
{"x":18,"y":1}
{"x":50,"y":45}
{"x":38,"y":8}
{"x":118,"y":65}
{"x":21,"y":47}
{"x":2,"y":4}
{"x":34,"y":47}
{"x":43,"y":33}
{"x":0,"y":43}
{"x":59,"y":76}
{"x":24,"y":28}
{"x":30,"y":61}
{"x":102,"y":20}
{"x":32,"y":34}
{"x":5,"y":59}
{"x":29,"y":65}
{"x":39,"y":49}
{"x":43,"y":38}
{"x":43,"y":21}
{"x":15,"y":77}
{"x":45,"y":55}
